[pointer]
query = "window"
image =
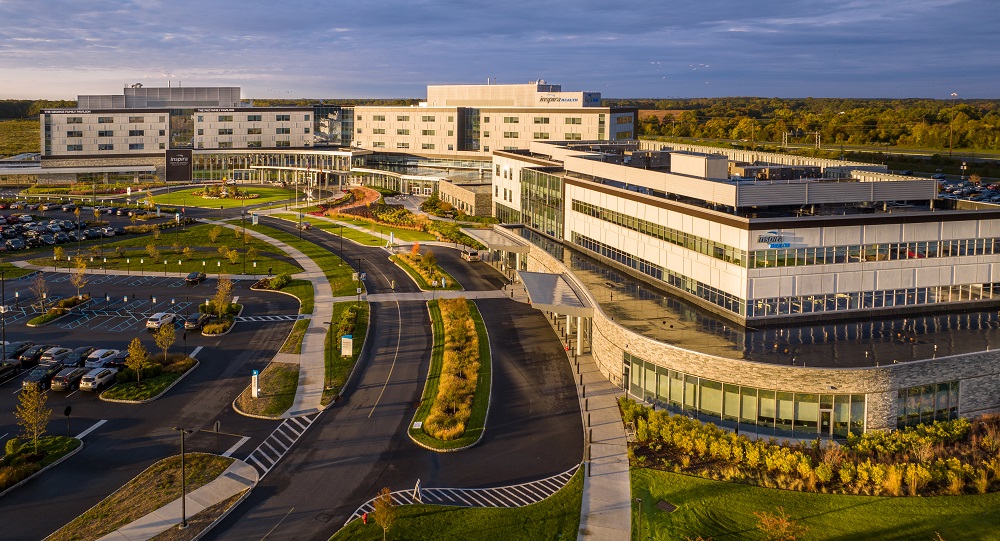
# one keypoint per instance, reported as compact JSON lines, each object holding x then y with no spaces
{"x":253,"y":131}
{"x":163,"y":133}
{"x":402,"y":131}
{"x":136,"y":133}
{"x":200,"y":118}
{"x":427,"y":118}
{"x":486,"y":134}
{"x":225,"y":131}
{"x":307,"y":130}
{"x":74,"y":133}
{"x":451,"y":147}
{"x":573,"y":137}
{"x":136,"y":120}
{"x":376,"y":131}
{"x":402,"y":145}
{"x":163,"y":146}
{"x":574,"y":120}
{"x":136,"y":146}
{"x":451,"y":133}
{"x":486,"y":119}
{"x":510,"y":135}
{"x":106,"y":133}
{"x":283,"y":131}
{"x":282,"y":143}
{"x":254,"y":118}
{"x":105,"y":119}
{"x":541,"y":120}
{"x":426,"y":132}
{"x":74,"y":120}
{"x":225,"y":118}
{"x":379,"y":144}
{"x":253,"y":144}
{"x":359,"y":119}
{"x":225,"y":144}
{"x":623,"y":120}
{"x":105,"y":146}
{"x":282,"y":118}
{"x":623,"y":135}
{"x":511,"y":120}
{"x":201,"y":131}
{"x":163,"y":118}
{"x":403,"y":118}
{"x":305,"y":117}
{"x":377,"y":118}
{"x":72,"y":148}
{"x":359,"y":130}
{"x":539,"y":135}
{"x":427,"y":146}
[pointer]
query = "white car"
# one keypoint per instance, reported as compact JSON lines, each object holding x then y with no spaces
{"x":97,"y":357}
{"x":159,"y":319}
{"x":97,"y":378}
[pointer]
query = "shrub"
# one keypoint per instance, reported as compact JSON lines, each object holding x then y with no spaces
{"x":280,"y":281}
{"x":13,"y":446}
{"x":218,"y":327}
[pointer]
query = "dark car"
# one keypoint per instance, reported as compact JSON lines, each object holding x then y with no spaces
{"x":61,"y":237}
{"x":32,"y":354}
{"x":9,"y":233}
{"x":8,"y":370}
{"x":117,"y":360}
{"x":68,"y":379}
{"x":121,"y":211}
{"x":197,"y":322}
{"x":15,"y":244}
{"x":195,"y":277}
{"x":78,"y":356}
{"x":119,"y":230}
{"x":42,"y":375}
{"x":47,"y":239}
{"x":75,"y":236}
{"x":14,"y":350}
{"x":92,"y":233}
{"x":34,"y":242}
{"x":69,"y":207}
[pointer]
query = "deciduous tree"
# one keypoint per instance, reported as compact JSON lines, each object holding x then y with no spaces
{"x":223,"y":296}
{"x":79,"y":277}
{"x":386,"y":511}
{"x":32,"y":414}
{"x":137,"y":359}
{"x":165,"y":337}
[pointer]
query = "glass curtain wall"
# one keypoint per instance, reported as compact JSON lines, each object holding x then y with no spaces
{"x":541,"y":202}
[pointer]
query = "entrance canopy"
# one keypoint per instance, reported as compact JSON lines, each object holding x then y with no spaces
{"x":494,"y":239}
{"x":555,"y":293}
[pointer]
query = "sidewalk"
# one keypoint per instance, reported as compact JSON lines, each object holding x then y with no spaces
{"x":239,"y":476}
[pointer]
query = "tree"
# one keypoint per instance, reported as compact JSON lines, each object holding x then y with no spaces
{"x":59,"y":253}
{"x":40,"y":289}
{"x":154,"y":254}
{"x":31,"y":413}
{"x":778,"y":526}
{"x":137,"y":359}
{"x":252,"y":253}
{"x":223,"y":296}
{"x":79,"y":277}
{"x":165,"y":337}
{"x":188,"y":252}
{"x":213,"y":234}
{"x":385,"y":511}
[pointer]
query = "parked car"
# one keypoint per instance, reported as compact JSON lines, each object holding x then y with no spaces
{"x":97,"y":378}
{"x":78,"y":356}
{"x":7,"y":371}
{"x":119,"y":231}
{"x":33,"y":354}
{"x":24,"y":218}
{"x":97,"y":357}
{"x":195,"y":277}
{"x":54,"y":354}
{"x":41,"y":376}
{"x":117,"y":361}
{"x":159,"y":319}
{"x":14,"y":350}
{"x":15,"y":244}
{"x":61,"y":238}
{"x":197,"y":322}
{"x":470,"y":255}
{"x":49,"y":240}
{"x":69,"y":207}
{"x":68,"y":379}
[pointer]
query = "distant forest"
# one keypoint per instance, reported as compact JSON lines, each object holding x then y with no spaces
{"x":920,"y":123}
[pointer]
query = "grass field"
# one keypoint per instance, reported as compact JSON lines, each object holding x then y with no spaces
{"x":724,"y":511}
{"x":480,"y":403}
{"x":348,"y":233}
{"x":339,"y":368}
{"x":337,"y":273}
{"x":186,"y":198}
{"x":19,"y":136}
{"x":278,"y":382}
{"x":557,"y":518}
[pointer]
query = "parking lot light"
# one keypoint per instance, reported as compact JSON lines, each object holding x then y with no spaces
{"x":154,"y":300}
{"x":125,"y":298}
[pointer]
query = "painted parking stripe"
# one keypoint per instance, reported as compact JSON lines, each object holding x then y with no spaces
{"x":92,"y":428}
{"x":229,"y":452}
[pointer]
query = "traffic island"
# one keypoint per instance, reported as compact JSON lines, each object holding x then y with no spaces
{"x":456,"y":398}
{"x":277,"y":382}
{"x":21,"y":462}
{"x":132,"y":390}
{"x":351,"y":319}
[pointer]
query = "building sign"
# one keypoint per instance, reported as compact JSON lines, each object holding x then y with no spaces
{"x":66,"y":111}
{"x":773,"y":239}
{"x":179,"y":165}
{"x":552,"y":98}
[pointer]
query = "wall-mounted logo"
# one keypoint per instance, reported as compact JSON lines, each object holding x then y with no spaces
{"x":773,"y":239}
{"x":552,"y":98}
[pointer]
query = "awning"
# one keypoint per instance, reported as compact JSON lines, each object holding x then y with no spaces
{"x":555,"y":293}
{"x":498,"y":240}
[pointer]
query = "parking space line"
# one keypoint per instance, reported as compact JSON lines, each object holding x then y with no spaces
{"x":236,"y":446}
{"x":93,"y":427}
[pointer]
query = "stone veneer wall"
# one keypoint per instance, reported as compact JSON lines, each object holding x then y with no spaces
{"x":979,"y":373}
{"x":160,"y":162}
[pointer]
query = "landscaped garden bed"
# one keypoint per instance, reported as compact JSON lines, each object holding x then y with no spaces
{"x":424,"y":270}
{"x":21,"y":461}
{"x":278,"y":383}
{"x":156,"y":377}
{"x":352,"y":319}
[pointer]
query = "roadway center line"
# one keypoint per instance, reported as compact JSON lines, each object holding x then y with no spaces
{"x":238,"y":444}
{"x":91,"y":429}
{"x":399,"y":336}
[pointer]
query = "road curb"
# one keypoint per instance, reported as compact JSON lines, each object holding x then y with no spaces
{"x":69,"y":311}
{"x":163,"y":392}
{"x":350,"y":377}
{"x":225,"y":513}
{"x":231,"y":327}
{"x":43,"y":470}
{"x":254,"y":415}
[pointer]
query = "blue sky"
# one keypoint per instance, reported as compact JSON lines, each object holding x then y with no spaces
{"x":369,"y":48}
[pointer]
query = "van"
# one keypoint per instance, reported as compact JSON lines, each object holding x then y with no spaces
{"x":470,"y":255}
{"x":97,"y":378}
{"x":67,"y":379}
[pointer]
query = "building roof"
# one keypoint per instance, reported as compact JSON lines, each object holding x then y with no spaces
{"x":555,"y":293}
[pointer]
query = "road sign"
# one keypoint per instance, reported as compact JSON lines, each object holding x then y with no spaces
{"x":254,"y":389}
{"x":346,"y":345}
{"x":177,"y":217}
{"x":253,"y":218}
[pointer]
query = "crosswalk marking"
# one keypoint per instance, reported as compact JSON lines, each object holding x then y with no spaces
{"x":279,"y":442}
{"x":509,"y":496}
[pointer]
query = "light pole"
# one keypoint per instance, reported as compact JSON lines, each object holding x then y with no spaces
{"x":638,"y":502}
{"x":328,"y":355}
{"x":341,"y":244}
{"x":359,"y":260}
{"x":3,"y":309}
{"x":184,"y":523}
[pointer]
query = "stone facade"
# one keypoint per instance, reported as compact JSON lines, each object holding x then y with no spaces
{"x":978,"y":373}
{"x":472,"y":199}
{"x":160,"y":162}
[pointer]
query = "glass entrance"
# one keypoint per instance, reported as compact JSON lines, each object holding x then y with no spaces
{"x":826,"y":422}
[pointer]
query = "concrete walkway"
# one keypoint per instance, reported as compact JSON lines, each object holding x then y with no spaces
{"x":239,"y":476}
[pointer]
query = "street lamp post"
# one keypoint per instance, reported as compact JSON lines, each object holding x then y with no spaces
{"x":638,"y":501}
{"x":328,"y":355}
{"x":3,"y":309}
{"x":341,"y":244}
{"x":359,"y":260}
{"x":184,"y":523}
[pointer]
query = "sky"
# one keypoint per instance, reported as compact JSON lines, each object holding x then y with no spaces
{"x":58,"y":49}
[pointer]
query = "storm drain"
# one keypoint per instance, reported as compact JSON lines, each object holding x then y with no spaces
{"x":666,"y":506}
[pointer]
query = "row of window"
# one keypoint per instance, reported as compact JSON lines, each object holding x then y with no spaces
{"x":716,"y":296}
{"x":867,"y":300}
{"x":926,"y":404}
{"x":111,"y":146}
{"x":250,"y":131}
{"x":808,"y":414}
{"x":405,"y":118}
{"x":250,"y":118}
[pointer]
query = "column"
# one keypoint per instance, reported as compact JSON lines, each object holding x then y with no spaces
{"x":579,"y":335}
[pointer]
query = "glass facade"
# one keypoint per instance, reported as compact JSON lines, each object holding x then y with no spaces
{"x":541,"y":201}
{"x":927,"y":403}
{"x":770,"y":410}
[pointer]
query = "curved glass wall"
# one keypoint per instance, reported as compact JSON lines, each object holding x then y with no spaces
{"x":927,"y":403}
{"x":765,"y":411}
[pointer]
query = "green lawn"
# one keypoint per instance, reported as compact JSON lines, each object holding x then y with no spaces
{"x":141,"y":390}
{"x":557,"y":518}
{"x":350,"y":234}
{"x":278,"y":383}
{"x":11,"y":272}
{"x":724,"y":511}
{"x":339,"y":368}
{"x":480,"y":403}
{"x":337,"y":273}
{"x":186,"y":198}
{"x":453,"y":284}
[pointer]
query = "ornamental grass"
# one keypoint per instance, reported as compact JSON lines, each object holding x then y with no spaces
{"x":459,"y":370}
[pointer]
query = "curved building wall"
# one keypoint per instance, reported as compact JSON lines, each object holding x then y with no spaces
{"x":885,"y":388}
